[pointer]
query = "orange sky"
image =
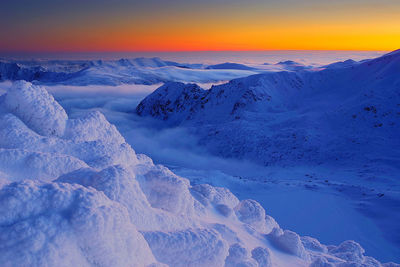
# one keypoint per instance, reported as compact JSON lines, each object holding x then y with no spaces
{"x":312,"y":25}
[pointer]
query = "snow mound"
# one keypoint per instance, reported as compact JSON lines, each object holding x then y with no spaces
{"x":193,"y":247}
{"x":348,"y":250}
{"x":351,"y":257}
{"x":239,"y":256}
{"x":36,"y":108}
{"x":221,"y":199}
{"x":66,"y":225}
{"x":289,"y":242}
{"x":93,"y":126}
{"x":91,"y":139}
{"x":208,"y":194}
{"x":313,"y":244}
{"x":166,"y":191}
{"x":37,"y":165}
{"x":15,"y":134}
{"x":252,"y":213}
{"x":119,"y":184}
{"x":262,"y":256}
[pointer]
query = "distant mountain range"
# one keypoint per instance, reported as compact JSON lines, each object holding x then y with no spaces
{"x":132,"y":71}
{"x":114,"y":72}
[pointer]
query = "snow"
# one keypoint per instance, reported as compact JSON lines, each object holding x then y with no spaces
{"x":37,"y":165}
{"x":58,"y":224}
{"x":192,"y":247}
{"x":123,"y":69}
{"x":252,"y":213}
{"x":80,"y":194}
{"x":230,"y":66}
{"x":49,"y":117}
{"x":262,"y":256}
{"x":144,"y":71}
{"x":329,"y":134}
{"x":313,"y":244}
{"x":208,"y":194}
{"x":289,"y":242}
{"x":289,"y":118}
{"x":239,"y":256}
{"x":93,"y":126}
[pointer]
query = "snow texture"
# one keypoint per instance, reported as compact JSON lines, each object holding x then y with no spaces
{"x":79,"y":195}
{"x":66,"y":225}
{"x":36,"y":108}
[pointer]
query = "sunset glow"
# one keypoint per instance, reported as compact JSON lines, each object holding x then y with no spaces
{"x":210,"y":25}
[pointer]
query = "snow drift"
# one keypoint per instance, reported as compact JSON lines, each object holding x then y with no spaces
{"x":80,"y":195}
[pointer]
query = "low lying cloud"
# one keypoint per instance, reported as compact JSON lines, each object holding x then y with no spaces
{"x":168,"y":146}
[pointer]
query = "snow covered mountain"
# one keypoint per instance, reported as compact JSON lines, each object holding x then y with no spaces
{"x":146,"y":71}
{"x":73,"y":192}
{"x":346,"y":113}
{"x":232,"y":66}
{"x":113,"y":72}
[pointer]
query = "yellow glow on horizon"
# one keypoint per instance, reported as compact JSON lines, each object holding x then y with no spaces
{"x":366,"y":28}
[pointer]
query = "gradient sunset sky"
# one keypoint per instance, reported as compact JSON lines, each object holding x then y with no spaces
{"x":189,"y":25}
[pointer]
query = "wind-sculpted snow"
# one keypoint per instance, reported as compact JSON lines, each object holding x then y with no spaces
{"x":252,"y":213}
{"x":93,"y":126}
{"x":166,"y":191}
{"x":37,"y":165}
{"x":313,"y":244}
{"x":220,"y":198}
{"x":36,"y":108}
{"x":208,"y":194}
{"x":90,"y":139}
{"x":262,"y":256}
{"x":83,"y":197}
{"x":289,"y":242}
{"x":119,"y":184}
{"x":239,"y":256}
{"x":58,"y":224}
{"x":192,"y":247}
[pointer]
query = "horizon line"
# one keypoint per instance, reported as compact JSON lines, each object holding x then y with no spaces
{"x":183,"y":51}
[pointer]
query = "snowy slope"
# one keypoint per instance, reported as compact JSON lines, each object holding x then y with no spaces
{"x":81,"y":196}
{"x":341,"y":124}
{"x":291,"y":65}
{"x":288,"y":117}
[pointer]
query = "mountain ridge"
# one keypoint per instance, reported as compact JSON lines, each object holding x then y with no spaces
{"x":317,"y":98}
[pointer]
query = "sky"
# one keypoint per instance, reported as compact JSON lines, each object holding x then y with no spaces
{"x":193,"y":25}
